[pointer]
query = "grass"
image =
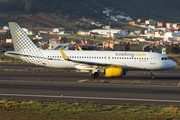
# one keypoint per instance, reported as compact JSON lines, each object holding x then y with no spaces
{"x":87,"y":110}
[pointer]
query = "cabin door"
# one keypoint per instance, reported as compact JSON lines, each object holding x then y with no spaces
{"x":152,"y":59}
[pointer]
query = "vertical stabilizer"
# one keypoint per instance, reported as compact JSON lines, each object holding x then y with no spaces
{"x":22,"y":43}
{"x":24,"y":46}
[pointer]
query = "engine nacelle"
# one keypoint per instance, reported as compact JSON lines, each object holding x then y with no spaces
{"x":114,"y":71}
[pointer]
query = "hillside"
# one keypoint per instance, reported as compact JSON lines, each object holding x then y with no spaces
{"x":68,"y":13}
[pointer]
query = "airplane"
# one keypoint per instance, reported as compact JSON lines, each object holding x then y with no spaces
{"x":111,"y":63}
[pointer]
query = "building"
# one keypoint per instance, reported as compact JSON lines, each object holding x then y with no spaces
{"x":109,"y":33}
{"x":161,"y":24}
{"x":3,"y":31}
{"x":131,"y":22}
{"x":40,"y":37}
{"x":6,"y":27}
{"x":9,"y":41}
{"x":55,"y":45}
{"x":153,"y":23}
{"x":176,"y":26}
{"x":58,"y":30}
{"x":169,"y":25}
{"x":84,"y":33}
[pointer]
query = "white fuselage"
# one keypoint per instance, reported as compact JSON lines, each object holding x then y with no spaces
{"x":128,"y":59}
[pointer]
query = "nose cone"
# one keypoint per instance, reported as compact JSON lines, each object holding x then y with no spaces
{"x":172,"y":64}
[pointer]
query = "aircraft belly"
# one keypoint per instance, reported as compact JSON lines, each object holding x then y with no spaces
{"x":62,"y":64}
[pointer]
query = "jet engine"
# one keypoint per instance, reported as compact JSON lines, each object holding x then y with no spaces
{"x":114,"y":71}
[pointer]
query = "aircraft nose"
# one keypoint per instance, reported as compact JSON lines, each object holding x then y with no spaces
{"x":173,"y":64}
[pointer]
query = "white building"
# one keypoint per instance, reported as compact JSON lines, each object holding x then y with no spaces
{"x":58,"y":30}
{"x":149,"y":31}
{"x":109,"y":33}
{"x":171,"y":35}
{"x":53,"y":45}
{"x":25,"y":29}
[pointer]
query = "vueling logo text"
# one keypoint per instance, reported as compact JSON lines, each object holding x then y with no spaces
{"x":139,"y":54}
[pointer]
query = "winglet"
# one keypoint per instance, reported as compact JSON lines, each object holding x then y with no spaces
{"x":64,"y":56}
{"x":80,"y":48}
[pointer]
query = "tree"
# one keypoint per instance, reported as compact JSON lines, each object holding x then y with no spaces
{"x":173,"y":49}
{"x":155,"y":49}
{"x":108,"y":49}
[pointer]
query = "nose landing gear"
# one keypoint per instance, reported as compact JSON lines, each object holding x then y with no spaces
{"x":152,"y":75}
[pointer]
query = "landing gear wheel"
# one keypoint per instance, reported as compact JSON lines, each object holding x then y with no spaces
{"x":152,"y":77}
{"x":92,"y":76}
{"x":96,"y":74}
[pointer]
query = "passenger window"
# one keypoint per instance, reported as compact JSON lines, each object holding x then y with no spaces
{"x":108,"y":57}
{"x":112,"y":57}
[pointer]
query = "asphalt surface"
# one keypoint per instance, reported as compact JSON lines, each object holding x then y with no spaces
{"x":16,"y":85}
{"x":168,"y":76}
{"x":99,"y":92}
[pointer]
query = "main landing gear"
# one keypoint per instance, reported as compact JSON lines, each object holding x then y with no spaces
{"x":95,"y":75}
{"x":152,"y":75}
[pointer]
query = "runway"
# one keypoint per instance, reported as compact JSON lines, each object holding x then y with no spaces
{"x":39,"y":86}
{"x":167,"y":76}
{"x":99,"y":92}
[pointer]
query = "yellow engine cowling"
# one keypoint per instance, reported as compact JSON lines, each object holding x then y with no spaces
{"x":114,"y":71}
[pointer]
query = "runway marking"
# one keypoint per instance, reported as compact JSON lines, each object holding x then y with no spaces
{"x":95,"y":98}
{"x":85,"y":80}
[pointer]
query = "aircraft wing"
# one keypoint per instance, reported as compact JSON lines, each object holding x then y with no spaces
{"x":83,"y":62}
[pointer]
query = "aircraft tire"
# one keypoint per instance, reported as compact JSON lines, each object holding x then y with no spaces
{"x":92,"y":76}
{"x":96,"y":74}
{"x":152,"y":77}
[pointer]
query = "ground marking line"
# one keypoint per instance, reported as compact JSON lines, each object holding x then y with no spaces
{"x":96,"y":98}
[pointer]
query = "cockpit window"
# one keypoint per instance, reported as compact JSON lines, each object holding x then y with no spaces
{"x":165,"y":58}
